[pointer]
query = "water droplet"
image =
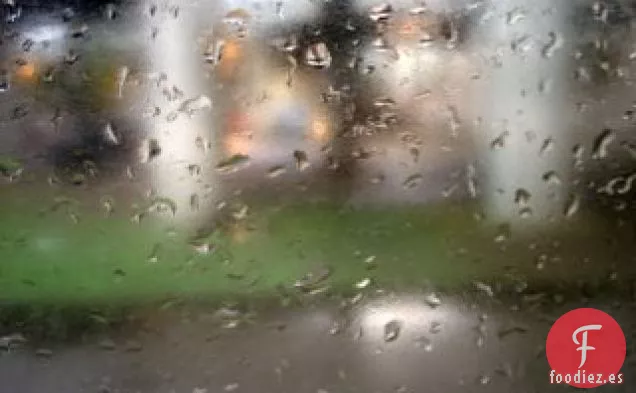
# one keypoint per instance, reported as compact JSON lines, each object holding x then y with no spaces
{"x":150,"y":150}
{"x":110,"y":11}
{"x":546,"y":146}
{"x":10,"y":167}
{"x":44,"y":353}
{"x":122,"y":75}
{"x":392,"y":330}
{"x":79,"y":30}
{"x":240,"y":213}
{"x":424,"y":343}
{"x":301,"y":159}
{"x":196,"y":104}
{"x":162,"y":204}
{"x":203,"y":248}
{"x":485,"y":288}
{"x":380,"y":12}
{"x":12,"y":12}
{"x":554,"y":43}
{"x":449,"y":29}
{"x":514,"y":16}
{"x":5,"y":83}
{"x":572,"y":206}
{"x":237,"y":16}
{"x":526,"y":212}
{"x":453,"y":120}
{"x":195,"y":202}
{"x":276,"y":171}
{"x":601,"y":144}
{"x":484,"y":380}
{"x":415,"y":153}
{"x":12,"y":341}
{"x":108,"y":204}
{"x":68,"y":14}
{"x":600,"y":11}
{"x":577,"y":152}
{"x":480,"y":341}
{"x":522,"y":197}
{"x":435,"y":327}
{"x":432,"y":300}
{"x":318,"y":56}
{"x":503,"y":233}
{"x":370,"y":262}
{"x":413,"y":181}
{"x":540,"y":265}
{"x":107,"y":344}
{"x":233,"y":163}
{"x":418,"y":10}
{"x":71,"y":57}
{"x":552,"y":178}
{"x":109,"y":135}
{"x":231,"y":387}
{"x":27,"y":45}
{"x":313,"y":279}
{"x":365,"y":282}
{"x":500,"y":141}
{"x":522,"y":44}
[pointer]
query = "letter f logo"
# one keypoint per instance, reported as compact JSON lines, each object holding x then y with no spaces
{"x":584,"y":347}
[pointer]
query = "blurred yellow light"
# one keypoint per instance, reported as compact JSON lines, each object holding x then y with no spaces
{"x":319,"y":129}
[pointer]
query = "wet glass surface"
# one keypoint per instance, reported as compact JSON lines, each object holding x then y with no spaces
{"x":310,"y":196}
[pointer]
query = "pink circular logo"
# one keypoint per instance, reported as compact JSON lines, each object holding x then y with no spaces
{"x":586,"y":348}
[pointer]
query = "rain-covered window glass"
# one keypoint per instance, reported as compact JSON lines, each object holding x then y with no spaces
{"x":315,"y":195}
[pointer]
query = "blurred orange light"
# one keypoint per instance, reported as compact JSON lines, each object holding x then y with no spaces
{"x":237,"y":144}
{"x":409,"y":28}
{"x":26,"y":71}
{"x":319,"y":129}
{"x":231,"y":51}
{"x":230,"y":56}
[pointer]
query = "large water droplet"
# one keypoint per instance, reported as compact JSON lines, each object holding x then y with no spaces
{"x":109,"y":135}
{"x":193,"y":105}
{"x":485,"y":288}
{"x":432,"y":300}
{"x":500,"y":141}
{"x":552,"y":178}
{"x":318,"y":56}
{"x":301,"y":159}
{"x":5,"y":84}
{"x":424,"y":343}
{"x":149,"y":150}
{"x":380,"y":12}
{"x":413,"y":181}
{"x":572,"y":206}
{"x":392,"y":330}
{"x":233,"y":163}
{"x":163,"y":204}
{"x":522,"y":197}
{"x":515,"y":15}
{"x":554,"y":43}
{"x":546,"y":146}
{"x":601,"y":144}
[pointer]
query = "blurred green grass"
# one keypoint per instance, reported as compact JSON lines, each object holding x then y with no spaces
{"x":68,"y":252}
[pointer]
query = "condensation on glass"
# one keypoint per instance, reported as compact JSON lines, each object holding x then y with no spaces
{"x":310,"y":196}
